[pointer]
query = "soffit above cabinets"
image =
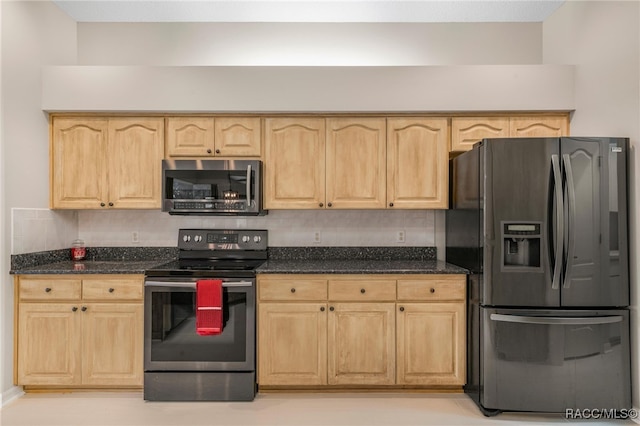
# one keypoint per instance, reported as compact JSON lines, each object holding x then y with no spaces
{"x":309,"y":10}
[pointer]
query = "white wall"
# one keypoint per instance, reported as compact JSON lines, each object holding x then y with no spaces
{"x":341,"y":44}
{"x":602,"y":39}
{"x":33,"y":34}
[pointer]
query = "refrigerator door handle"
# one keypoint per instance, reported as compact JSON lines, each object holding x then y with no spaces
{"x":559,"y":231}
{"x":557,"y":320}
{"x":571,"y":191}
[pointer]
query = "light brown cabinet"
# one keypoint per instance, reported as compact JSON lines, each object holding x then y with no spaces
{"x":361,"y":330}
{"x":213,"y":137}
{"x":466,"y":131}
{"x":106,"y":162}
{"x":417,"y":163}
{"x":79,"y":332}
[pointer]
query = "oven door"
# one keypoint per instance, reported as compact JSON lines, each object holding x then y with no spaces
{"x":171,"y":342}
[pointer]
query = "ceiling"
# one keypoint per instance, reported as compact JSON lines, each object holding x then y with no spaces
{"x":309,"y":11}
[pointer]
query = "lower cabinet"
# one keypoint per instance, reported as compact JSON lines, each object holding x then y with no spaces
{"x":361,"y":330}
{"x":79,"y":332}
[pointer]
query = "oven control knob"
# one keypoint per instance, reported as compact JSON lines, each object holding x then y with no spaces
{"x":246,"y":239}
{"x":257,"y":239}
{"x":186,"y":238}
{"x":197,"y":238}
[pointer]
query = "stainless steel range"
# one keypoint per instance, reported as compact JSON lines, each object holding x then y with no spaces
{"x":181,"y":364}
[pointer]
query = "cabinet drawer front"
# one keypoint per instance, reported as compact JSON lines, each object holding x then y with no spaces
{"x":362,"y":290}
{"x":432,"y":289}
{"x":50,"y":289}
{"x":112,"y":289}
{"x":293,"y":290}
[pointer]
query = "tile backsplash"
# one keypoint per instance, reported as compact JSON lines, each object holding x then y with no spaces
{"x":37,"y":230}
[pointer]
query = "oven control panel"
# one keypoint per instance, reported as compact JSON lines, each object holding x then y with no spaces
{"x":219,"y":239}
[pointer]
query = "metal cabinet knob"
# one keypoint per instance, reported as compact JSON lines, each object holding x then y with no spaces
{"x":362,"y":290}
{"x":208,"y":151}
{"x":217,"y":151}
{"x":329,"y":205}
{"x":322,"y":309}
{"x":84,"y":308}
{"x":48,"y":290}
{"x":390,"y":204}
{"x":75,"y":308}
{"x":401,"y":308}
{"x":321,"y":204}
{"x":432,"y":290}
{"x":111,"y":290}
{"x":110,"y":204}
{"x":293,"y":290}
{"x":102,"y":204}
{"x":331,"y":308}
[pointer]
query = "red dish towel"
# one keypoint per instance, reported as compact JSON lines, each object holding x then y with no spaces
{"x":208,"y":307}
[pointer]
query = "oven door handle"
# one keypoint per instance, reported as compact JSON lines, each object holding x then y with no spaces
{"x":184,"y":284}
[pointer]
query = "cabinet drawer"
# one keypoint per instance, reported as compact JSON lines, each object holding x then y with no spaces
{"x":293,"y":290}
{"x":50,"y":289}
{"x":445,"y":288}
{"x":112,"y":289}
{"x":362,"y":290}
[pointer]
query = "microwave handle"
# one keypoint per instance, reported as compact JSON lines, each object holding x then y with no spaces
{"x":248,"y":186}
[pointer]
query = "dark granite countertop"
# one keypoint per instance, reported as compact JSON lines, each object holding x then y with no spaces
{"x":359,"y":266}
{"x":282,"y":260}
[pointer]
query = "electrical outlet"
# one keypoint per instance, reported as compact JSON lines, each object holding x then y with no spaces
{"x":135,"y":237}
{"x":400,"y":237}
{"x":316,"y":237}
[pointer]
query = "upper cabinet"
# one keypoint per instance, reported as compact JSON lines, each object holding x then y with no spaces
{"x":209,"y":137}
{"x":417,"y":163}
{"x":106,"y":162}
{"x":355,"y":163}
{"x":466,"y":131}
{"x":294,"y":163}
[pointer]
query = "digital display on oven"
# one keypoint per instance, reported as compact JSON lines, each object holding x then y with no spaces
{"x":222,"y":238}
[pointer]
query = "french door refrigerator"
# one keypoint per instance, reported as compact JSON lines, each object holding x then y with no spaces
{"x":541,"y":224}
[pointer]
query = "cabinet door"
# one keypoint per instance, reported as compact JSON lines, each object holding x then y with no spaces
{"x":190,"y":137}
{"x":431,"y":343}
{"x":466,"y":131}
{"x":543,"y":126}
{"x":135,"y":153}
{"x":112,"y":339}
{"x":418,"y":163}
{"x":49,"y":340}
{"x":292,"y":344}
{"x":361,"y":344}
{"x":238,"y":136}
{"x":356,"y":163}
{"x":78,"y":163}
{"x":294,"y":163}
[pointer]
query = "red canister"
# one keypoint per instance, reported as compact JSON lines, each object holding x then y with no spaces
{"x":78,"y":250}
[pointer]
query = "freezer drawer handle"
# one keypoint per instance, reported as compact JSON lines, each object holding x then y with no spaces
{"x":556,"y":320}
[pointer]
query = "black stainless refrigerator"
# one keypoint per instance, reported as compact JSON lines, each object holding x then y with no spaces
{"x":541,"y":223}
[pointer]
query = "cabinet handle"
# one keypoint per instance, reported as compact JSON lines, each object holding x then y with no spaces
{"x":208,"y":151}
{"x":111,"y":290}
{"x":390,"y":204}
{"x":432,"y":290}
{"x":331,"y":308}
{"x":329,"y":205}
{"x":110,"y":204}
{"x":321,"y":205}
{"x":362,"y":290}
{"x":48,"y":290}
{"x":102,"y":204}
{"x":401,"y":308}
{"x":322,"y":309}
{"x":293,"y":290}
{"x":217,"y":151}
{"x":75,"y":308}
{"x":84,"y":308}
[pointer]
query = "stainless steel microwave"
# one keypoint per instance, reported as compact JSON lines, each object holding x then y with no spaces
{"x":212,"y":187}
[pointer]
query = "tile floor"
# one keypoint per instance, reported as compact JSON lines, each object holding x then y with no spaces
{"x":302,"y":409}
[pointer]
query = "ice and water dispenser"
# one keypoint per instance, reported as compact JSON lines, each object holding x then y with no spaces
{"x":521,"y":246}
